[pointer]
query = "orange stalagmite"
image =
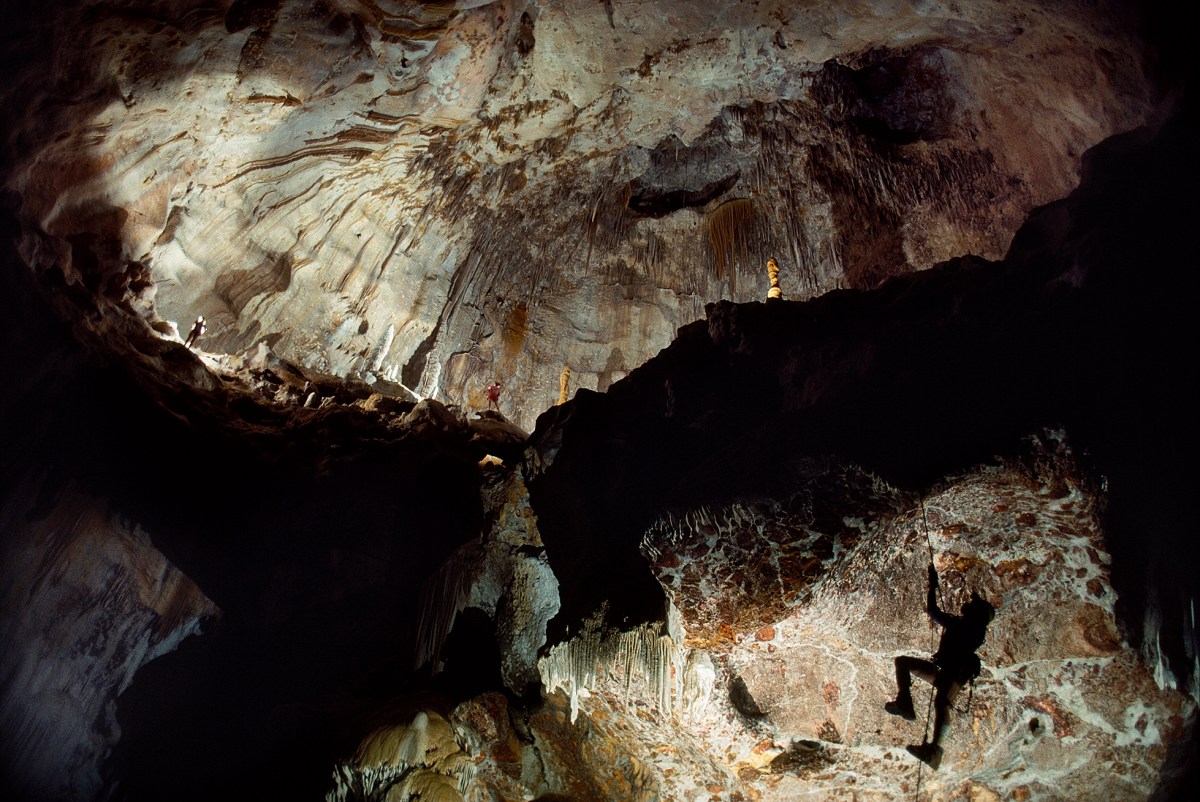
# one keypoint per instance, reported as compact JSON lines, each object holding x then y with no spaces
{"x":564,"y":385}
{"x":773,"y":273}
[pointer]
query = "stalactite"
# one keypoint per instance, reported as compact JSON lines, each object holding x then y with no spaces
{"x":729,"y":229}
{"x":445,"y":595}
{"x":699,"y":679}
{"x":643,"y":662}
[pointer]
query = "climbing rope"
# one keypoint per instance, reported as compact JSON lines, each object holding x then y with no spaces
{"x":929,"y":543}
{"x":932,"y":649}
{"x":924,"y":739}
{"x":941,"y":603}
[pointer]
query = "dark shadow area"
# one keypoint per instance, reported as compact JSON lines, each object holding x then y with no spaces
{"x":313,"y":538}
{"x":897,"y":97}
{"x":471,"y":657}
{"x":657,"y":202}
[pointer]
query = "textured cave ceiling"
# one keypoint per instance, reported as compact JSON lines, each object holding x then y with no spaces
{"x":438,"y":194}
{"x":229,"y":572}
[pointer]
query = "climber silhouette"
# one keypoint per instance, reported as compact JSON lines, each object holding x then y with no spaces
{"x":953,"y":666}
{"x":197,"y":330}
{"x":493,"y":395}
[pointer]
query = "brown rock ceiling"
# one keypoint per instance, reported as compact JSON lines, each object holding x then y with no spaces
{"x":439,"y":194}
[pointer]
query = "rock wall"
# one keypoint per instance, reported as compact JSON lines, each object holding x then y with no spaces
{"x":87,"y":602}
{"x":139,"y":492}
{"x":766,"y":682}
{"x":740,"y":529}
{"x":1062,"y":709}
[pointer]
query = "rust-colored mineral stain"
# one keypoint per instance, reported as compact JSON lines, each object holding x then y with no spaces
{"x":1063,"y":720}
{"x":515,"y":329}
{"x":1018,"y":572}
{"x":1098,"y":630}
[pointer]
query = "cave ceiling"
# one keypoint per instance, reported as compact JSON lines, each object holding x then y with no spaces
{"x":439,"y":194}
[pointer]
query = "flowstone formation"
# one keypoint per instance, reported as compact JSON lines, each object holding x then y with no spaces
{"x":1062,"y":708}
{"x":435,"y":194}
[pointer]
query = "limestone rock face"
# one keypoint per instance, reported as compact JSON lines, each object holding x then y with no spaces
{"x":767,"y":681}
{"x":436,"y":194}
{"x":813,"y":674}
{"x":505,"y":576}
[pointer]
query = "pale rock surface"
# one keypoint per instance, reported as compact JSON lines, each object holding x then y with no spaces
{"x":423,"y":759}
{"x":445,"y":193}
{"x":768,"y":676}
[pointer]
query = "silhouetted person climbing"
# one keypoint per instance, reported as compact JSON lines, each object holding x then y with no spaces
{"x":493,"y":395}
{"x":196,"y":332}
{"x":953,"y":666}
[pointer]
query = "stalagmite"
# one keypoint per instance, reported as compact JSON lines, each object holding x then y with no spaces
{"x":775,"y":292}
{"x":564,"y":385}
{"x":425,"y":759}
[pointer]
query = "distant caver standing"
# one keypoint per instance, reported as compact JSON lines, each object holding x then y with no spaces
{"x":197,"y":331}
{"x":493,"y":395}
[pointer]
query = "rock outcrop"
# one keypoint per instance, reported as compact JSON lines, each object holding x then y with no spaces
{"x":762,"y":499}
{"x":806,"y":603}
